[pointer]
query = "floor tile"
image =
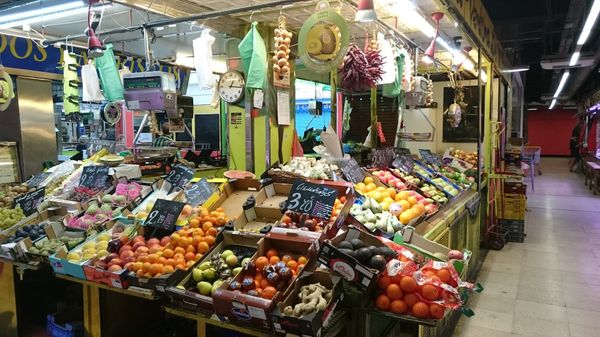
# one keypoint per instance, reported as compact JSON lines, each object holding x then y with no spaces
{"x":491,"y":320}
{"x":585,"y":318}
{"x":535,"y":310}
{"x":539,"y":327}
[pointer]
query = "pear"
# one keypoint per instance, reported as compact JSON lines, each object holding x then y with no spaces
{"x":197,"y":275}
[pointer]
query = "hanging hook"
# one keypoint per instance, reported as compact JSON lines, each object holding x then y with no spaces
{"x":251,"y":15}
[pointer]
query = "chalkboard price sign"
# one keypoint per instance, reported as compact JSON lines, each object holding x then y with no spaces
{"x":429,"y":157}
{"x":403,"y":151}
{"x":94,"y":176}
{"x":382,"y":157}
{"x":312,"y":199}
{"x":179,"y":176}
{"x":198,"y":193}
{"x":29,"y":201}
{"x":36,"y":180}
{"x":164,"y":214}
{"x":405,"y":163}
{"x":352,"y":171}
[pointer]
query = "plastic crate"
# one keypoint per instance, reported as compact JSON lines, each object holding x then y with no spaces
{"x":73,"y":329}
{"x":516,"y":230}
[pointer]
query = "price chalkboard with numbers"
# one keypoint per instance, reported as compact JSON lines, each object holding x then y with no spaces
{"x":94,"y":176}
{"x":179,"y":176}
{"x":36,"y":180}
{"x":312,"y":199}
{"x":405,"y":163}
{"x":403,"y":151}
{"x":382,"y":158}
{"x":29,"y":201}
{"x":352,"y":171}
{"x":429,"y":157}
{"x":198,"y":193}
{"x":164,"y":214}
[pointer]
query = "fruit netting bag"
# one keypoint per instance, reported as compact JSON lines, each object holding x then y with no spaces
{"x":109,"y":75}
{"x":203,"y":59}
{"x":440,"y":283}
{"x":253,"y":53}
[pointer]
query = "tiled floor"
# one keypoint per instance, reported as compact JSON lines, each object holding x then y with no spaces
{"x":550,"y":284}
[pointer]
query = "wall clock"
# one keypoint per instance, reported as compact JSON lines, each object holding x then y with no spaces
{"x":231,"y":86}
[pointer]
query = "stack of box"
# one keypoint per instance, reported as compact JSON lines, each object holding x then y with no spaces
{"x":9,"y":163}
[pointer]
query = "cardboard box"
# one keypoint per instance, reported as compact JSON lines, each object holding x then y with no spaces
{"x":55,"y":230}
{"x":194,"y":301}
{"x":241,"y":308}
{"x":432,"y":250}
{"x":314,"y":323}
{"x":274,"y":194}
{"x":347,"y":266}
{"x":159,"y":190}
{"x":233,"y":195}
{"x":256,"y":219}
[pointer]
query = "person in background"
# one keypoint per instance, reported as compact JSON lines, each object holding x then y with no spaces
{"x":164,"y":139}
{"x":81,"y":148}
{"x":574,"y":146}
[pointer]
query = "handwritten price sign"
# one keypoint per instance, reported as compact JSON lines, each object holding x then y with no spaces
{"x":315,"y":200}
{"x":29,"y":201}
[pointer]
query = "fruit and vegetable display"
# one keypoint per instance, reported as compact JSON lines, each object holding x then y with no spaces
{"x":222,"y":267}
{"x":94,"y":215}
{"x":448,"y":188}
{"x":50,"y":246}
{"x":297,"y":220}
{"x":434,"y":193}
{"x":32,"y":231}
{"x":312,"y":297}
{"x":283,"y":41}
{"x":9,"y":193}
{"x":309,"y":168}
{"x":124,"y":194}
{"x":10,"y":217}
{"x":410,"y":179}
{"x":456,"y":176}
{"x":361,"y":70}
{"x":268,"y":274}
{"x":94,"y":248}
{"x":371,"y":215}
{"x":389,"y":179}
{"x":469,"y":157}
{"x":369,"y":255}
{"x":422,"y":171}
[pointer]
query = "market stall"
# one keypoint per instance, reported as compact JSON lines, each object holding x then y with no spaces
{"x":369,"y":226}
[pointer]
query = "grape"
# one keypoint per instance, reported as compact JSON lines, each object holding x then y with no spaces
{"x":9,"y":217}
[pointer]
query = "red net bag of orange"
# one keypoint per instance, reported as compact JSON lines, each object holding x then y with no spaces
{"x":439,"y":283}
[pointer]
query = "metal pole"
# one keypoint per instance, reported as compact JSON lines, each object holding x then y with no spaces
{"x":195,"y":17}
{"x":147,"y":52}
{"x":139,"y":131}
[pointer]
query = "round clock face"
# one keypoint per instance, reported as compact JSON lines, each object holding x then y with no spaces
{"x":231,"y":86}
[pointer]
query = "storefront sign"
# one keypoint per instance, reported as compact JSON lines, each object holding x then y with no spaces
{"x":21,"y":53}
{"x":473,"y":13}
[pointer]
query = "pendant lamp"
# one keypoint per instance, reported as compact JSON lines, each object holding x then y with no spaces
{"x":95,"y":47}
{"x":428,"y":57}
{"x":366,"y":11}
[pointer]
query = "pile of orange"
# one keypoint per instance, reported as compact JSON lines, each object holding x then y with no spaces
{"x":199,"y":216}
{"x":402,"y":295}
{"x":337,"y":208}
{"x":263,"y":286}
{"x":180,"y":250}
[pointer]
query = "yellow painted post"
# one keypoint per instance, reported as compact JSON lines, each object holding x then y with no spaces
{"x":8,"y":302}
{"x":333,"y":84}
{"x":374,"y":137}
{"x":201,"y":328}
{"x":91,"y":310}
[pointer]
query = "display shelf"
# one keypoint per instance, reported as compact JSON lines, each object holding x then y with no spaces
{"x":150,"y":295}
{"x":433,"y":226}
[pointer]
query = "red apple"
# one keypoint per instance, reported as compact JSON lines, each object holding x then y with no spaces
{"x":124,"y":248}
{"x":115,"y":268}
{"x":110,"y":256}
{"x":152,"y":242}
{"x":128,"y":259}
{"x":165,"y":241}
{"x":142,"y":250}
{"x":138,"y":238}
{"x":137,"y":246}
{"x":125,"y":254}
{"x":115,"y":261}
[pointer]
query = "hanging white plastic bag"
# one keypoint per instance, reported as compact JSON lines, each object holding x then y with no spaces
{"x":203,"y":59}
{"x":388,"y":67}
{"x":91,"y":84}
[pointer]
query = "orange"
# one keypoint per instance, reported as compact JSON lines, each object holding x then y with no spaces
{"x":274,"y":259}
{"x":368,"y":180}
{"x":343,"y":200}
{"x":382,"y":302}
{"x":444,"y":275}
{"x":264,"y":283}
{"x":436,"y":311}
{"x":162,"y":260}
{"x":174,"y":238}
{"x":258,"y":276}
{"x":182,"y":233}
{"x":272,"y":252}
{"x":391,"y":192}
{"x":168,"y":269}
{"x":203,"y":247}
{"x":371,"y":187}
{"x":190,"y":249}
{"x":420,"y":310}
{"x":153,"y":258}
{"x":196,"y":240}
{"x":221,"y":221}
{"x":178,"y":256}
{"x":393,"y":291}
{"x":206,"y":226}
{"x":430,"y":292}
{"x":291,"y":264}
{"x":261,"y":262}
{"x":139,"y":273}
{"x":156,"y":268}
{"x":198,"y":257}
{"x":411,"y":299}
{"x":168,"y":253}
{"x":194,"y":223}
{"x":286,"y":258}
{"x":190,"y":256}
{"x":171,"y":262}
{"x":268,"y":292}
{"x":210,"y":240}
{"x":302,"y":260}
{"x":190,"y":263}
{"x":408,"y":284}
{"x":383,"y":282}
{"x":179,"y":250}
{"x":398,"y":307}
{"x":212,"y":232}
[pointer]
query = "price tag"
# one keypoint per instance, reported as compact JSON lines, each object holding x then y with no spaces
{"x":29,"y":201}
{"x":403,"y":151}
{"x":164,"y":214}
{"x":198,"y":193}
{"x":405,"y":163}
{"x":94,"y":176}
{"x":179,"y":176}
{"x":312,"y":199}
{"x":352,"y":171}
{"x":36,"y":180}
{"x":382,"y":157}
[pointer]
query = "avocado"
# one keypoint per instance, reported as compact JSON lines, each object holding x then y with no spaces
{"x":387,"y":252}
{"x":377,"y":262}
{"x":348,"y":252}
{"x":346,"y":245}
{"x":357,"y":243}
{"x":363,"y":255}
{"x":374,"y":250}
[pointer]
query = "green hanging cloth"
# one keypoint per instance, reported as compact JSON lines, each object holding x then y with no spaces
{"x":253,"y":53}
{"x":393,"y":89}
{"x":112,"y":87}
{"x":70,"y":83}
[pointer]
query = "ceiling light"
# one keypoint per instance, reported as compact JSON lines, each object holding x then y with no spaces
{"x":589,"y":23}
{"x":24,"y":13}
{"x":468,"y":65}
{"x":517,"y":69}
{"x":409,"y":17}
{"x":531,"y":109}
{"x":553,"y":104}
{"x":574,"y":59}
{"x":561,"y":84}
{"x":483,"y":76}
{"x":366,"y":11}
{"x":48,"y":17}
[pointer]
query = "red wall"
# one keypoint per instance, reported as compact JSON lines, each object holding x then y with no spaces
{"x":551,"y":129}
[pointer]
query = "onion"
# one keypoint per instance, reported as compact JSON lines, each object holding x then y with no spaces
{"x":276,"y":69}
{"x":280,"y":54}
{"x":282,"y":62}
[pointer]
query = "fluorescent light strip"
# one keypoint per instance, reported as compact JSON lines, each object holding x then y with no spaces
{"x":49,"y":17}
{"x":483,"y":75}
{"x":561,"y":84}
{"x":26,"y":14}
{"x":515,"y":70}
{"x":553,"y":104}
{"x":589,"y":23}
{"x":574,"y":59}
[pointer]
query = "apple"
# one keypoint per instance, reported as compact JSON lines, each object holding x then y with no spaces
{"x":165,"y":241}
{"x":138,"y":238}
{"x":142,"y":250}
{"x":152,"y":242}
{"x":115,"y":268}
{"x":115,"y":261}
{"x":125,"y":254}
{"x":124,"y":248}
{"x":137,"y":245}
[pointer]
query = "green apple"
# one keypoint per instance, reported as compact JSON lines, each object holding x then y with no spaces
{"x":231,"y":260}
{"x":197,"y":275}
{"x":226,"y":253}
{"x":204,"y":288}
